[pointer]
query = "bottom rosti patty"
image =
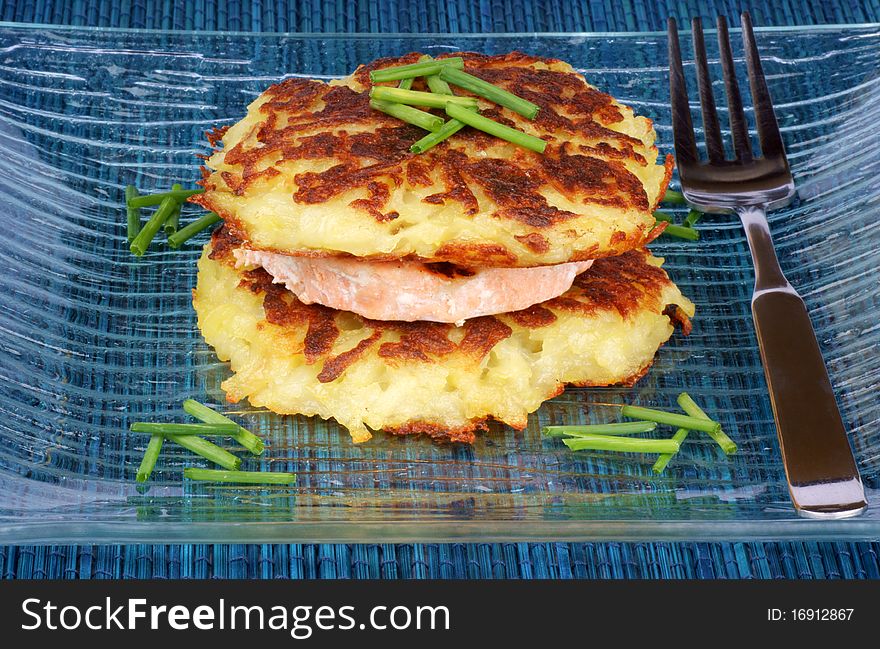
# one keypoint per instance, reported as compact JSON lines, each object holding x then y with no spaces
{"x":426,"y":377}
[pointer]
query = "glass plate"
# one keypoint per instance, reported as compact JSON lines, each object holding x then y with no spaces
{"x":92,"y":338}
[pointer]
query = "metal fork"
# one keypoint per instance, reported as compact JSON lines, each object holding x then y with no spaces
{"x":822,"y":476}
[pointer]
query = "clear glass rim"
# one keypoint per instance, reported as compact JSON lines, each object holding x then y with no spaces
{"x":461,"y":35}
{"x":90,"y":531}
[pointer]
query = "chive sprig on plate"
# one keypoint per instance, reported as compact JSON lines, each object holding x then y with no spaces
{"x":241,"y":477}
{"x":166,"y":217}
{"x":189,"y":436}
{"x":617,"y":437}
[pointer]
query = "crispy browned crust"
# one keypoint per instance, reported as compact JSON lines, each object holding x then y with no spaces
{"x":628,"y":382}
{"x":534,"y":317}
{"x":463,"y":434}
{"x":308,"y":119}
{"x":675,"y":313}
{"x":623,"y":284}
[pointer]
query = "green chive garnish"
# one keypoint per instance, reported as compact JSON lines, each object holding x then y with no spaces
{"x":244,"y":477}
{"x":671,"y":418}
{"x":243,"y":436}
{"x":142,"y":241}
{"x":406,"y":84}
{"x":690,"y":407}
{"x":150,"y":457}
{"x":621,"y":444}
{"x":625,"y":428}
{"x":173,"y":221}
{"x":409,"y":114}
{"x":450,"y":128}
{"x":161,"y":428}
{"x":155,"y":199}
{"x":418,"y":98}
{"x":133,"y":214}
{"x":435,"y":83}
{"x":494,"y":128}
{"x":660,"y":465}
{"x":207,"y":450}
{"x":672,"y":197}
{"x":420,"y":69}
{"x":189,"y":231}
{"x":492,"y":93}
{"x":682,"y":232}
{"x":693,"y":218}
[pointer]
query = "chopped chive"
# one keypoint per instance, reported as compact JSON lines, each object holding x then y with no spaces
{"x":625,"y":428}
{"x":161,"y":428}
{"x":406,"y":84}
{"x":693,"y":218}
{"x":419,"y":98}
{"x":621,"y":444}
{"x":409,"y":114}
{"x":690,"y":407}
{"x":494,"y":128}
{"x":660,"y":465}
{"x":420,"y":69}
{"x":187,"y":232}
{"x":210,"y":416}
{"x":207,"y":450}
{"x":450,"y":128}
{"x":672,"y":197}
{"x":244,"y":477}
{"x":491,"y":92}
{"x":150,"y":457}
{"x":133,"y":214}
{"x":671,"y":418}
{"x":682,"y":232}
{"x":149,"y":200}
{"x":173,"y":221}
{"x":435,"y":83}
{"x":142,"y":241}
{"x":663,"y":216}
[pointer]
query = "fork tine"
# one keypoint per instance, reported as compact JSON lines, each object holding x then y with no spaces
{"x":712,"y":130}
{"x":738,"y":126}
{"x":682,"y":126}
{"x":768,"y":128}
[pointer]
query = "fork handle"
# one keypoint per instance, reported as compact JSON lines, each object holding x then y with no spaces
{"x":822,"y":475}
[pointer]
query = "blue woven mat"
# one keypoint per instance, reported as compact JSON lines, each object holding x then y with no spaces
{"x":425,"y":15}
{"x":484,"y":560}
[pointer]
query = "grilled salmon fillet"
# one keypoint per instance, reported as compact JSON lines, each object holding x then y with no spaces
{"x":410,"y":291}
{"x":312,"y":169}
{"x":425,"y":377}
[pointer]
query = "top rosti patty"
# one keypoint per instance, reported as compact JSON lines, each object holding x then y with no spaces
{"x":313,"y":169}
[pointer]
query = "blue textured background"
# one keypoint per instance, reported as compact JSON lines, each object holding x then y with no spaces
{"x":484,"y":560}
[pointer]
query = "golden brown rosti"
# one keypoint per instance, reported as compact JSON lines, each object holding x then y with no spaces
{"x":424,"y":377}
{"x":312,"y":169}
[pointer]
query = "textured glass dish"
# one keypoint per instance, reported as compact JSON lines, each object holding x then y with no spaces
{"x":92,"y":338}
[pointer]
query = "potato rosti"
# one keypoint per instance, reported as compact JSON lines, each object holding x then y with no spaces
{"x":424,"y":377}
{"x":312,"y":169}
